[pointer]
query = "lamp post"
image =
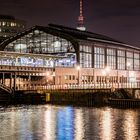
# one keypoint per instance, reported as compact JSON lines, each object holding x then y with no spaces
{"x":78,"y":69}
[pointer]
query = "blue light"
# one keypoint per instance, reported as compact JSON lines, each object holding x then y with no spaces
{"x":65,"y":125}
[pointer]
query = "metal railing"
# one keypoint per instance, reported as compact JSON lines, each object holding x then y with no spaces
{"x":83,"y":86}
{"x":6,"y":88}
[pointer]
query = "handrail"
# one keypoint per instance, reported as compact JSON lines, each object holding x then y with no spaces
{"x":7,"y":89}
{"x":111,"y":86}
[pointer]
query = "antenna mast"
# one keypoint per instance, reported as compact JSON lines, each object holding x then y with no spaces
{"x":81,"y":18}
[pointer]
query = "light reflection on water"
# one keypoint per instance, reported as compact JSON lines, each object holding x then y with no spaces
{"x":48,"y":122}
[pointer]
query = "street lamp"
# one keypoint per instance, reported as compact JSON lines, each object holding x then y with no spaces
{"x":78,"y":69}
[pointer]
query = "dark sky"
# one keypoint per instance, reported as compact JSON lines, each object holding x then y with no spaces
{"x":119,"y":19}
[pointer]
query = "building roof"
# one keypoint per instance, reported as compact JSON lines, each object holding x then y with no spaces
{"x":70,"y":34}
{"x":86,"y":35}
{"x":40,"y":28}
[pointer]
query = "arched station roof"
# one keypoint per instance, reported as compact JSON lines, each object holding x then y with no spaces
{"x":70,"y":34}
{"x":44,"y":29}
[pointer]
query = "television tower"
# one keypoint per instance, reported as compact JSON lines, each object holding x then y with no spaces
{"x":81,"y":18}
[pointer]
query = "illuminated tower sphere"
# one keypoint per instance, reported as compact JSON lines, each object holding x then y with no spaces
{"x":81,"y":18}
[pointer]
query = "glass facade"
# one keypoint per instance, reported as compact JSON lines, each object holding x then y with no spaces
{"x":111,"y":58}
{"x":86,"y":56}
{"x":121,"y":59}
{"x":136,"y":61}
{"x":101,"y":63}
{"x":129,"y":60}
{"x":24,"y":60}
{"x":39,"y":42}
{"x":99,"y":57}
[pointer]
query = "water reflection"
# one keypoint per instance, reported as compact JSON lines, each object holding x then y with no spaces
{"x":49,"y":124}
{"x":65,"y":124}
{"x":79,"y":125}
{"x":130,"y":125}
{"x":68,"y":123}
{"x":106,"y":125}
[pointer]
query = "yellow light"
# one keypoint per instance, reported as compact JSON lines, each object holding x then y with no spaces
{"x":78,"y":67}
{"x":128,"y":64}
{"x":107,"y":69}
{"x":47,"y":73}
{"x":103,"y":73}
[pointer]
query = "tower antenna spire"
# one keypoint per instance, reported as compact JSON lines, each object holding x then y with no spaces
{"x":81,"y":18}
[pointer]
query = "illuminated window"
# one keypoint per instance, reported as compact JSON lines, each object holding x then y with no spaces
{"x":121,"y":59}
{"x":136,"y":61}
{"x":3,"y":23}
{"x":111,"y":58}
{"x":86,"y":56}
{"x":129,"y":57}
{"x":12,"y":24}
{"x":99,"y":57}
{"x":39,"y":42}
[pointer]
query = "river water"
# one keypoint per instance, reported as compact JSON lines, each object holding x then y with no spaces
{"x":49,"y":122}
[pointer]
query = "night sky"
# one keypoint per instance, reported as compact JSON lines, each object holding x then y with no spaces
{"x":119,"y":19}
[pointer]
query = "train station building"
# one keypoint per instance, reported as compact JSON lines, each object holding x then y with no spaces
{"x":69,"y":56}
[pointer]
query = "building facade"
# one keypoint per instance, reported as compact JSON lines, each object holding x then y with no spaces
{"x":101,"y":59}
{"x":10,"y":26}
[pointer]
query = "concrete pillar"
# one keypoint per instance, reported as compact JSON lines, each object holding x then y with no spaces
{"x":15,"y":81}
{"x":10,"y":80}
{"x":29,"y":81}
{"x":3,"y":78}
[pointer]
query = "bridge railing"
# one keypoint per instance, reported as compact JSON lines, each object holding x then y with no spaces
{"x":6,"y":88}
{"x":83,"y":86}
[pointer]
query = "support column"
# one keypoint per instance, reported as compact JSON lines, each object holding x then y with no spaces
{"x":29,"y":82}
{"x":15,"y":81}
{"x":3,"y":78}
{"x":10,"y":80}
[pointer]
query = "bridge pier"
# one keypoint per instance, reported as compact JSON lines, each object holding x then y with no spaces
{"x":3,"y":78}
{"x":10,"y":80}
{"x":14,"y":87}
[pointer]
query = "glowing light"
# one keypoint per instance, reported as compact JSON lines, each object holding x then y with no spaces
{"x":107,"y":69}
{"x":106,"y":125}
{"x":130,"y":125}
{"x":128,"y":64}
{"x":103,"y":73}
{"x":78,"y":67}
{"x":79,"y":125}
{"x":20,"y":46}
{"x":50,"y":124}
{"x":57,"y":44}
{"x":47,"y":73}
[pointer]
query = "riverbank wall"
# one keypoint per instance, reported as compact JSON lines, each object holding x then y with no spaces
{"x":78,"y":97}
